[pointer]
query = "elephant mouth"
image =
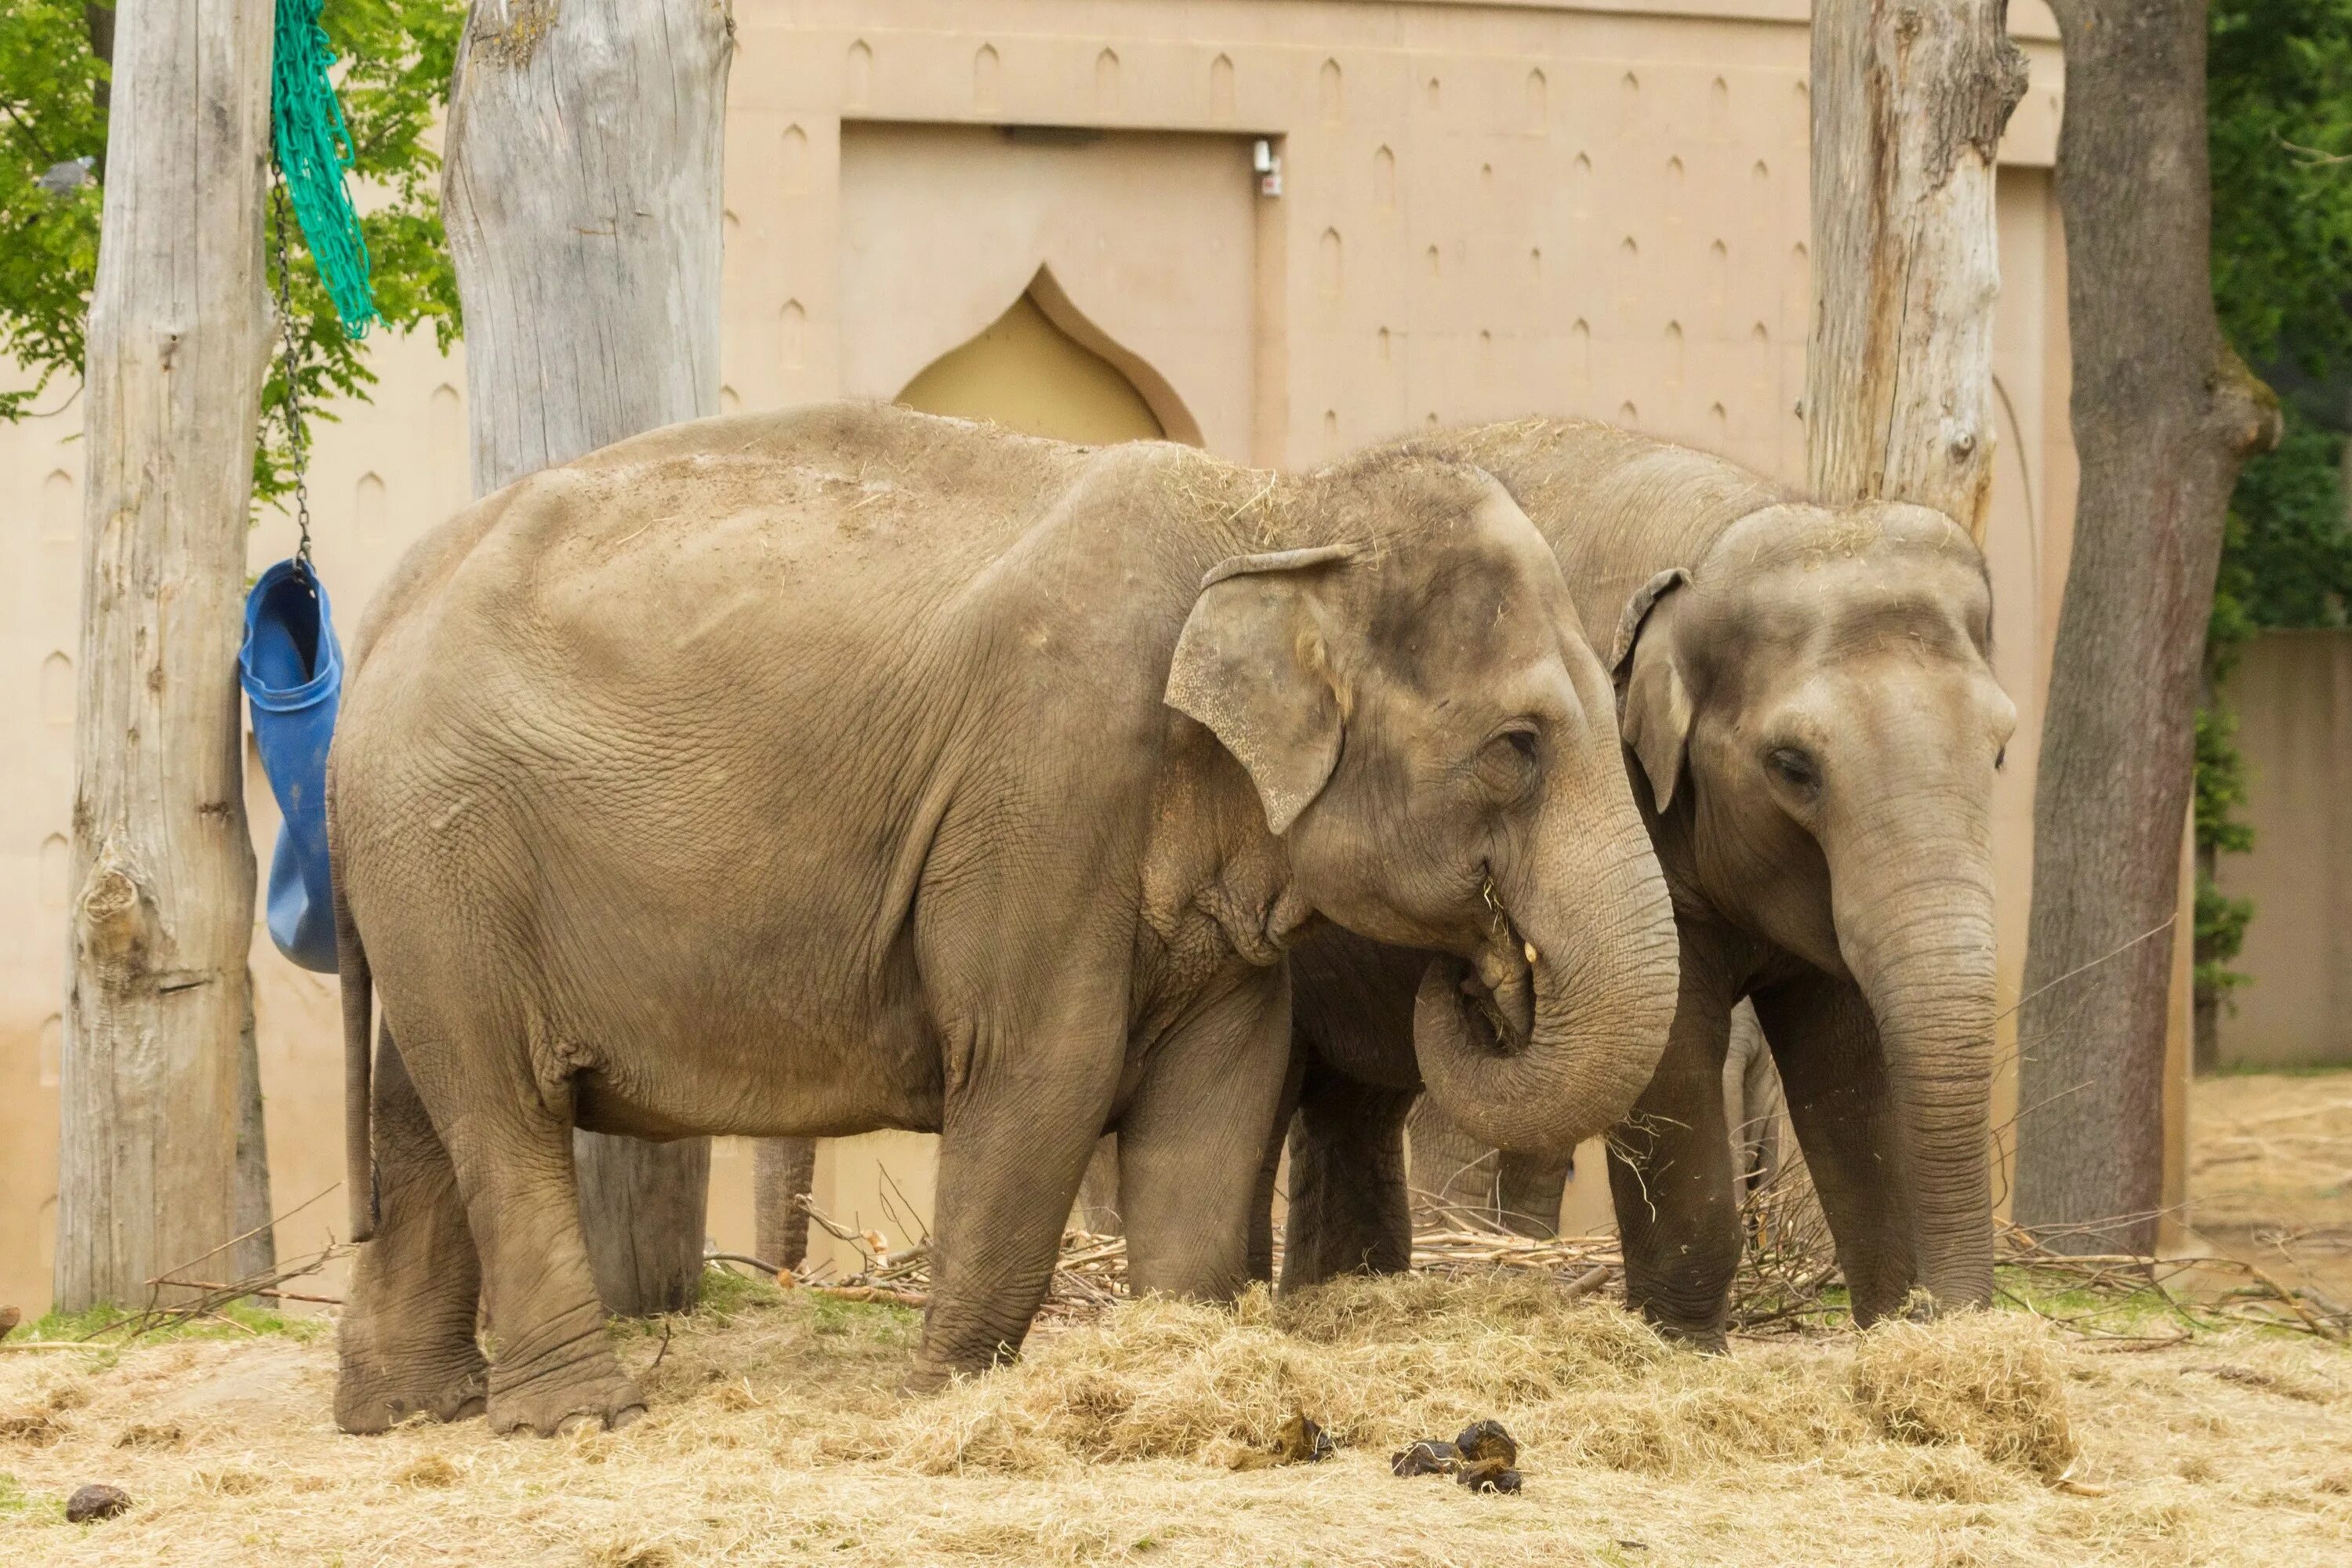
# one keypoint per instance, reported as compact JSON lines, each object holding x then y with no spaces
{"x":1499,"y":990}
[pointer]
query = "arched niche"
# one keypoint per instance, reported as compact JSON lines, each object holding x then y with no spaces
{"x":1043,"y":369}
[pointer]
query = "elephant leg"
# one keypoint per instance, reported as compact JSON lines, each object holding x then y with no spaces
{"x":407,"y":1343}
{"x":1193,"y":1139}
{"x":1834,"y":1075}
{"x":1016,"y":1133}
{"x":1096,"y":1211}
{"x":1528,"y":1189}
{"x":511,"y":1146}
{"x":1269,"y":1172}
{"x":1350,"y":1212}
{"x":1007,"y":1178}
{"x":1670,"y":1173}
{"x":1451,"y":1169}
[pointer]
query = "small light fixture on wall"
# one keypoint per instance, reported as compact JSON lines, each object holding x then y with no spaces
{"x":1268,"y":164}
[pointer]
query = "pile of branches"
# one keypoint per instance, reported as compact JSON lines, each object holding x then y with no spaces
{"x":1090,"y":1273}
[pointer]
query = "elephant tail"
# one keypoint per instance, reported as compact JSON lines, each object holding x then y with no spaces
{"x":358,"y":1063}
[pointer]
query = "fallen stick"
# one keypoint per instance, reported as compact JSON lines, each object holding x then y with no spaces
{"x":1584,"y":1284}
{"x":272,"y":1294}
{"x":790,"y":1282}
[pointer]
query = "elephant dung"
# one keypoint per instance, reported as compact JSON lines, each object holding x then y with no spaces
{"x":1489,"y":1454}
{"x":1300,"y":1440}
{"x":94,"y":1502}
{"x":1430,"y":1457}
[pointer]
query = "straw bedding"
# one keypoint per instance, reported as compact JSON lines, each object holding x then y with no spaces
{"x":775,"y":1438}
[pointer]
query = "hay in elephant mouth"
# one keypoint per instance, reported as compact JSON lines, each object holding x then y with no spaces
{"x":775,"y":1438}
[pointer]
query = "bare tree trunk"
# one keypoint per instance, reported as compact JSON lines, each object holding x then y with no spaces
{"x":2164,"y":417}
{"x":582,"y":202}
{"x":163,"y":870}
{"x":1909,"y":97}
{"x":257,"y":1253}
{"x":783,"y":1168}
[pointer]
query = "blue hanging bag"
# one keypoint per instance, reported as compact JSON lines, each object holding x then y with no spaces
{"x":292,"y":669}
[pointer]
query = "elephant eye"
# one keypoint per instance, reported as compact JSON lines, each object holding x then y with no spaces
{"x":1795,"y":768}
{"x":1999,"y":757}
{"x":1509,"y":762}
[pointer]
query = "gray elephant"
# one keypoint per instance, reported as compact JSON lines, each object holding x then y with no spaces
{"x":848,"y":768}
{"x":1807,"y":702}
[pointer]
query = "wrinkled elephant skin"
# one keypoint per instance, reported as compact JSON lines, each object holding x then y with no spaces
{"x":845,"y":768}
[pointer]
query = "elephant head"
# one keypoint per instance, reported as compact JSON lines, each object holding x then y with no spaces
{"x":1433,"y":740}
{"x":1816,"y":701}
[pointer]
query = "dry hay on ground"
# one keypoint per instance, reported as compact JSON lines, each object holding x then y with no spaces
{"x":775,"y":1438}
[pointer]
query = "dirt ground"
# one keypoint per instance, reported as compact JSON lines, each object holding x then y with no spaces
{"x":775,"y":1436}
{"x":2271,"y":1173}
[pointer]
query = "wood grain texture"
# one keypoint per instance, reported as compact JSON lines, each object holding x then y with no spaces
{"x":782,"y":1170}
{"x":163,"y":870}
{"x":1909,"y":97}
{"x":581,"y":196}
{"x":2164,"y":417}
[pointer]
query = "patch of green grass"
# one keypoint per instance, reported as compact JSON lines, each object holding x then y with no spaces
{"x":725,"y":1291}
{"x":108,"y":1324}
{"x":881,"y":1319}
{"x":15,"y":1501}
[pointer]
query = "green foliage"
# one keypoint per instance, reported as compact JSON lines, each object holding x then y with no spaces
{"x":2220,"y":784}
{"x":396,"y":59}
{"x":52,"y":92}
{"x":2279,"y":120}
{"x":2278,"y":89}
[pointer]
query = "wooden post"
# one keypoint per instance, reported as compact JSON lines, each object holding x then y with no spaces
{"x":582,"y":200}
{"x":782,"y":1170}
{"x":163,"y":870}
{"x":1909,"y":97}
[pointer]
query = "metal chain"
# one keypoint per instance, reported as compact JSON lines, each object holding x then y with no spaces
{"x":289,"y":363}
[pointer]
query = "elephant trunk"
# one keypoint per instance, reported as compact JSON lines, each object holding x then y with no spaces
{"x":1562,"y":1022}
{"x":1915,"y":924}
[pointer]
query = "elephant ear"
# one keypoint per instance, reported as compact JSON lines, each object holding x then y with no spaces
{"x":1254,"y":667}
{"x":1654,"y":706}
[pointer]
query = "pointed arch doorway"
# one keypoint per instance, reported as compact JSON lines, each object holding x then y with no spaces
{"x":1043,"y":369}
{"x":1021,"y":279}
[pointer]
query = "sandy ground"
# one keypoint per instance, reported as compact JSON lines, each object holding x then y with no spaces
{"x":2271,"y":1173}
{"x":775,"y":1438}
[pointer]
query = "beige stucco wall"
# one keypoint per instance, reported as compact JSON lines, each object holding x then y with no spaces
{"x":2293,"y":695}
{"x":1487,"y":209}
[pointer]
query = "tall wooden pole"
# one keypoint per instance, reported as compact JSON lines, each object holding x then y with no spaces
{"x":163,"y":871}
{"x":582,"y":200}
{"x":1909,"y":97}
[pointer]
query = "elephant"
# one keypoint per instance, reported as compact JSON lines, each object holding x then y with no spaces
{"x":810,"y":772}
{"x":1809,"y":712}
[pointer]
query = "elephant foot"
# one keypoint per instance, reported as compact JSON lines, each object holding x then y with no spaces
{"x":1706,"y":1341}
{"x":376,"y":1399}
{"x":926,"y":1377}
{"x":928,"y":1374}
{"x":585,"y":1395}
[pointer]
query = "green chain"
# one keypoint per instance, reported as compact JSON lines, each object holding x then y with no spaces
{"x":314,"y":149}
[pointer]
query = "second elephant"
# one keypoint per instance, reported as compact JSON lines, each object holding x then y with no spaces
{"x":1809,"y":710}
